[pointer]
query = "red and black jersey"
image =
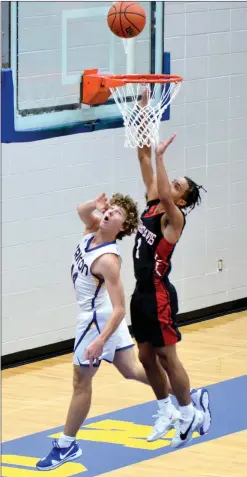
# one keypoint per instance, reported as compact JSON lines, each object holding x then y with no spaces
{"x":152,"y":252}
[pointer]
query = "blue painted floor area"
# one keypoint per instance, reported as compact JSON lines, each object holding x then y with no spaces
{"x":118,"y":439}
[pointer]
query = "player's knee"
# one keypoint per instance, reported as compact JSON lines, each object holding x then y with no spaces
{"x":168,"y":360}
{"x":164,"y":362}
{"x":148,"y":360}
{"x":81,"y":382}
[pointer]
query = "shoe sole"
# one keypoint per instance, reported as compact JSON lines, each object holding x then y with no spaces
{"x":194,"y":395}
{"x":69,"y":458}
{"x":204,"y":403}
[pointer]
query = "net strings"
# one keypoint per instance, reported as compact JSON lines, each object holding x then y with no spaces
{"x":142,"y":123}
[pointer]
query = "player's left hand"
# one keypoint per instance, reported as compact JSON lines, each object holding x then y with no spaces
{"x":94,"y":350}
{"x":102,"y":203}
{"x":162,"y":146}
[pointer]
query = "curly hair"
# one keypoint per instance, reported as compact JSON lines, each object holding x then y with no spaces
{"x":130,"y":207}
{"x":192,"y":195}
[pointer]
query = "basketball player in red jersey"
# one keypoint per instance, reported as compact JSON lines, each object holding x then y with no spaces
{"x":154,"y":303}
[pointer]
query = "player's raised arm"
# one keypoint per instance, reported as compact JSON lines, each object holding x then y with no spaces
{"x":149,"y":179}
{"x":164,"y":188}
{"x":144,"y":156}
{"x":86,"y":209}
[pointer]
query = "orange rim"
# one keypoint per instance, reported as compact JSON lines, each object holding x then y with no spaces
{"x":112,"y":81}
{"x":117,"y":80}
{"x":96,"y":88}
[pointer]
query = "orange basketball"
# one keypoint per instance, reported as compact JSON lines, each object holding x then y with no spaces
{"x":126,"y":19}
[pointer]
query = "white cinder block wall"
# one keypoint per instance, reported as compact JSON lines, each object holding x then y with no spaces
{"x":44,"y":181}
{"x":208,"y":44}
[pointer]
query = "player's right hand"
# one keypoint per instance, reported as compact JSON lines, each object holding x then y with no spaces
{"x":102,"y":203}
{"x":162,"y":146}
{"x":145,"y":97}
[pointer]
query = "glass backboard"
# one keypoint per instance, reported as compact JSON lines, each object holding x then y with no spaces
{"x":52,"y":43}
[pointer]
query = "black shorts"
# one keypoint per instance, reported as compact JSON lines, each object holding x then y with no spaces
{"x":153,"y":315}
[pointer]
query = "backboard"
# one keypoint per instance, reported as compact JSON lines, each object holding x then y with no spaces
{"x":52,"y":43}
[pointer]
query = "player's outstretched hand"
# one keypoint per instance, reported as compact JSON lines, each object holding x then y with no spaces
{"x":144,"y":100}
{"x":102,"y":204}
{"x":162,"y":146}
{"x":94,"y":350}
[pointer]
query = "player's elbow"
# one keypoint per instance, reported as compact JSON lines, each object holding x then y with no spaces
{"x":120,"y":312}
{"x":80,"y":210}
{"x":84,"y":215}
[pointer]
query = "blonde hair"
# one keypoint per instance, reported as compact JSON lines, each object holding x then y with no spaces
{"x":132,"y":217}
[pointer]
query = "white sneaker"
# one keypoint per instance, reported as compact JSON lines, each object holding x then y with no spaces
{"x":185,"y":429}
{"x":163,"y":424}
{"x":200,"y":400}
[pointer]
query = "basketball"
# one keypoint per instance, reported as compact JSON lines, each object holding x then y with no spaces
{"x":126,"y":19}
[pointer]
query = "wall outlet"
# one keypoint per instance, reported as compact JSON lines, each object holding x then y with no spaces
{"x":220,"y":265}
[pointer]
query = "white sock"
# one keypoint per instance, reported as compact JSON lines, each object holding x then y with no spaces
{"x":65,"y":441}
{"x":165,"y":405}
{"x":187,"y":412}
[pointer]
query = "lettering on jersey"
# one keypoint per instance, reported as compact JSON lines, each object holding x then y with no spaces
{"x":73,"y":275}
{"x":159,"y":265}
{"x":82,"y":267}
{"x":149,"y":236}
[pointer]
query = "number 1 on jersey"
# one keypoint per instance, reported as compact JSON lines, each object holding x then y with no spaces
{"x":139,"y":241}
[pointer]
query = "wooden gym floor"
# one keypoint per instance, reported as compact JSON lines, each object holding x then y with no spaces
{"x":36,"y":398}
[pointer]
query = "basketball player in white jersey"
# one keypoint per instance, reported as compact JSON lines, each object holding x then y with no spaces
{"x":101,"y":333}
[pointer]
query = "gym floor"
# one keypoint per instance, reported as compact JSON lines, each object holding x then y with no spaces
{"x":36,"y":398}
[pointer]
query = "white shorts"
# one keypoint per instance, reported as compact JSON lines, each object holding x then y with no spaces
{"x":89,"y":325}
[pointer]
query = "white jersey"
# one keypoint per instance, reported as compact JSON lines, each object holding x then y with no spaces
{"x":90,"y":289}
{"x":95,"y":304}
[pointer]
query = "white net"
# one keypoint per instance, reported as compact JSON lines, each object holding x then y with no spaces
{"x":142,"y":120}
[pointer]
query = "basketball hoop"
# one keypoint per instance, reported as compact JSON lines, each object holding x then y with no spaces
{"x":141,"y":122}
